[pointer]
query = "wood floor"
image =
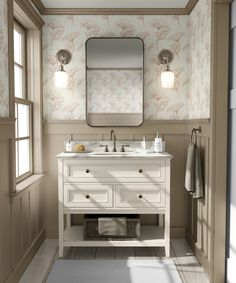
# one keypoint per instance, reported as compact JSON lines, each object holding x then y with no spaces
{"x":189,"y":269}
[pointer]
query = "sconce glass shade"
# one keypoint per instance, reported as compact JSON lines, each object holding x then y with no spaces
{"x":61,"y":79}
{"x":167,"y":79}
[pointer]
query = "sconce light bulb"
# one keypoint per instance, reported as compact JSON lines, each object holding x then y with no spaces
{"x":167,"y":79}
{"x":61,"y":78}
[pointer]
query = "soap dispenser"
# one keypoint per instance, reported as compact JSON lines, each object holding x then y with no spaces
{"x":69,"y":145}
{"x":157,"y":146}
{"x":143,"y":144}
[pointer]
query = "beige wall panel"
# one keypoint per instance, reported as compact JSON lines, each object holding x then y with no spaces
{"x":6,"y":247}
{"x":203,"y":221}
{"x":139,"y":137}
{"x":176,"y":143}
{"x":177,"y":146}
{"x":27,"y":228}
{"x":91,"y":137}
{"x":40,"y":214}
{"x":16,"y":231}
{"x":62,"y":127}
{"x":149,"y":219}
{"x":53,"y":145}
{"x":5,"y":211}
{"x":25,"y":222}
{"x":33,"y":213}
{"x":198,"y":230}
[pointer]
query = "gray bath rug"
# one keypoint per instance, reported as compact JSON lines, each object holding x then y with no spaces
{"x":114,"y":271}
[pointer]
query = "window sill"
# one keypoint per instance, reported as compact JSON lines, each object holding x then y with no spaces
{"x":26,"y":183}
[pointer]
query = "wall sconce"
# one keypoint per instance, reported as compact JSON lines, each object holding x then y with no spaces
{"x":167,"y":76}
{"x":61,"y":77}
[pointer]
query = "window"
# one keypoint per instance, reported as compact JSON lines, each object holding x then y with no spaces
{"x":23,"y":107}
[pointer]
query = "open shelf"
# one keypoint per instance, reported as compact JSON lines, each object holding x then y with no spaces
{"x":150,"y":236}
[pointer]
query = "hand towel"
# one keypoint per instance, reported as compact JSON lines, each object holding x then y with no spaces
{"x":190,"y":165}
{"x":198,"y":182}
{"x":193,"y":173}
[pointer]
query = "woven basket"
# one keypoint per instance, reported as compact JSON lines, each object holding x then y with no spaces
{"x":91,"y":231}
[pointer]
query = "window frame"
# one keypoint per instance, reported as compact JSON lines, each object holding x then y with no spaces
{"x":25,"y":101}
{"x":19,"y":28}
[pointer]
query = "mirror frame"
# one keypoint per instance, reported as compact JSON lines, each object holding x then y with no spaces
{"x":86,"y":81}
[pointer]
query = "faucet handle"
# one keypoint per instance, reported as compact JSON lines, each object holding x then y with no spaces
{"x":106,"y":147}
{"x":123,"y":147}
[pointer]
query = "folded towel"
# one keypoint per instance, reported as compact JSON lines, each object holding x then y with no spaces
{"x":193,"y":173}
{"x":189,"y":173}
{"x":112,"y":226}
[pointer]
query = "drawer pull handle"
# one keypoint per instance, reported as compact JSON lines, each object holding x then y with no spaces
{"x":140,"y":196}
{"x":87,"y":196}
{"x":140,"y":170}
{"x":87,"y":171}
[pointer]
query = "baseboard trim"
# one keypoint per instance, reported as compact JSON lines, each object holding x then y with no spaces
{"x":202,"y":259}
{"x":190,"y":240}
{"x":18,"y":271}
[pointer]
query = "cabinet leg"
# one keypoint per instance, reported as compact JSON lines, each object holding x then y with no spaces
{"x":61,"y":232}
{"x":161,"y":220}
{"x":68,"y":220}
{"x":167,"y":234}
{"x":167,"y":249}
{"x":61,"y":250}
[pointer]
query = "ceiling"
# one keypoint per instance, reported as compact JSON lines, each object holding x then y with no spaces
{"x":162,"y":4}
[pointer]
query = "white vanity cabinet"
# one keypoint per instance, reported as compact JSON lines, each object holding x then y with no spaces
{"x":114,"y":185}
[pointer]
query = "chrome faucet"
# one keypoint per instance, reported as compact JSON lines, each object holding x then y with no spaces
{"x":113,"y":138}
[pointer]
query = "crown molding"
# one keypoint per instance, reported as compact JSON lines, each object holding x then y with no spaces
{"x":112,"y":11}
{"x":223,"y":2}
{"x":190,"y":6}
{"x":39,"y":5}
{"x":29,"y":10}
{"x":115,"y":11}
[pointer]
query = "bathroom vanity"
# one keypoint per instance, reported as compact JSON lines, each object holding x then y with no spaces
{"x":114,"y":183}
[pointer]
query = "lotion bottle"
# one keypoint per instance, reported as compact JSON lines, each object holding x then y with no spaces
{"x":157,"y":147}
{"x":68,"y":146}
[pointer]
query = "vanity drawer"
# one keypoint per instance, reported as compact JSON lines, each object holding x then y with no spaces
{"x":94,"y":169}
{"x":88,"y":195}
{"x":140,"y":195}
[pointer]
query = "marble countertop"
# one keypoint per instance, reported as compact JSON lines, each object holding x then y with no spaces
{"x":117,"y":155}
{"x":93,"y":150}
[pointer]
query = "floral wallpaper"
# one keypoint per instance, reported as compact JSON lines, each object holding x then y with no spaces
{"x":115,"y":91}
{"x":158,"y":32}
{"x":4,"y":94}
{"x":200,"y":49}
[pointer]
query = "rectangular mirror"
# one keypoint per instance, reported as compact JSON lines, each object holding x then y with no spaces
{"x":114,"y":81}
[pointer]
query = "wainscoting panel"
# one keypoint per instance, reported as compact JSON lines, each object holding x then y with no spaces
{"x":21,"y":214}
{"x":16,"y":233}
{"x":27,"y":222}
{"x":5,"y":209}
{"x":175,"y":133}
{"x":199,"y":223}
{"x":189,"y":218}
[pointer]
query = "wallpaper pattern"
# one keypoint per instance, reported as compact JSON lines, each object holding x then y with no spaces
{"x":4,"y":92}
{"x":115,"y":91}
{"x":188,"y":37}
{"x":158,"y":32}
{"x":199,"y":72}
